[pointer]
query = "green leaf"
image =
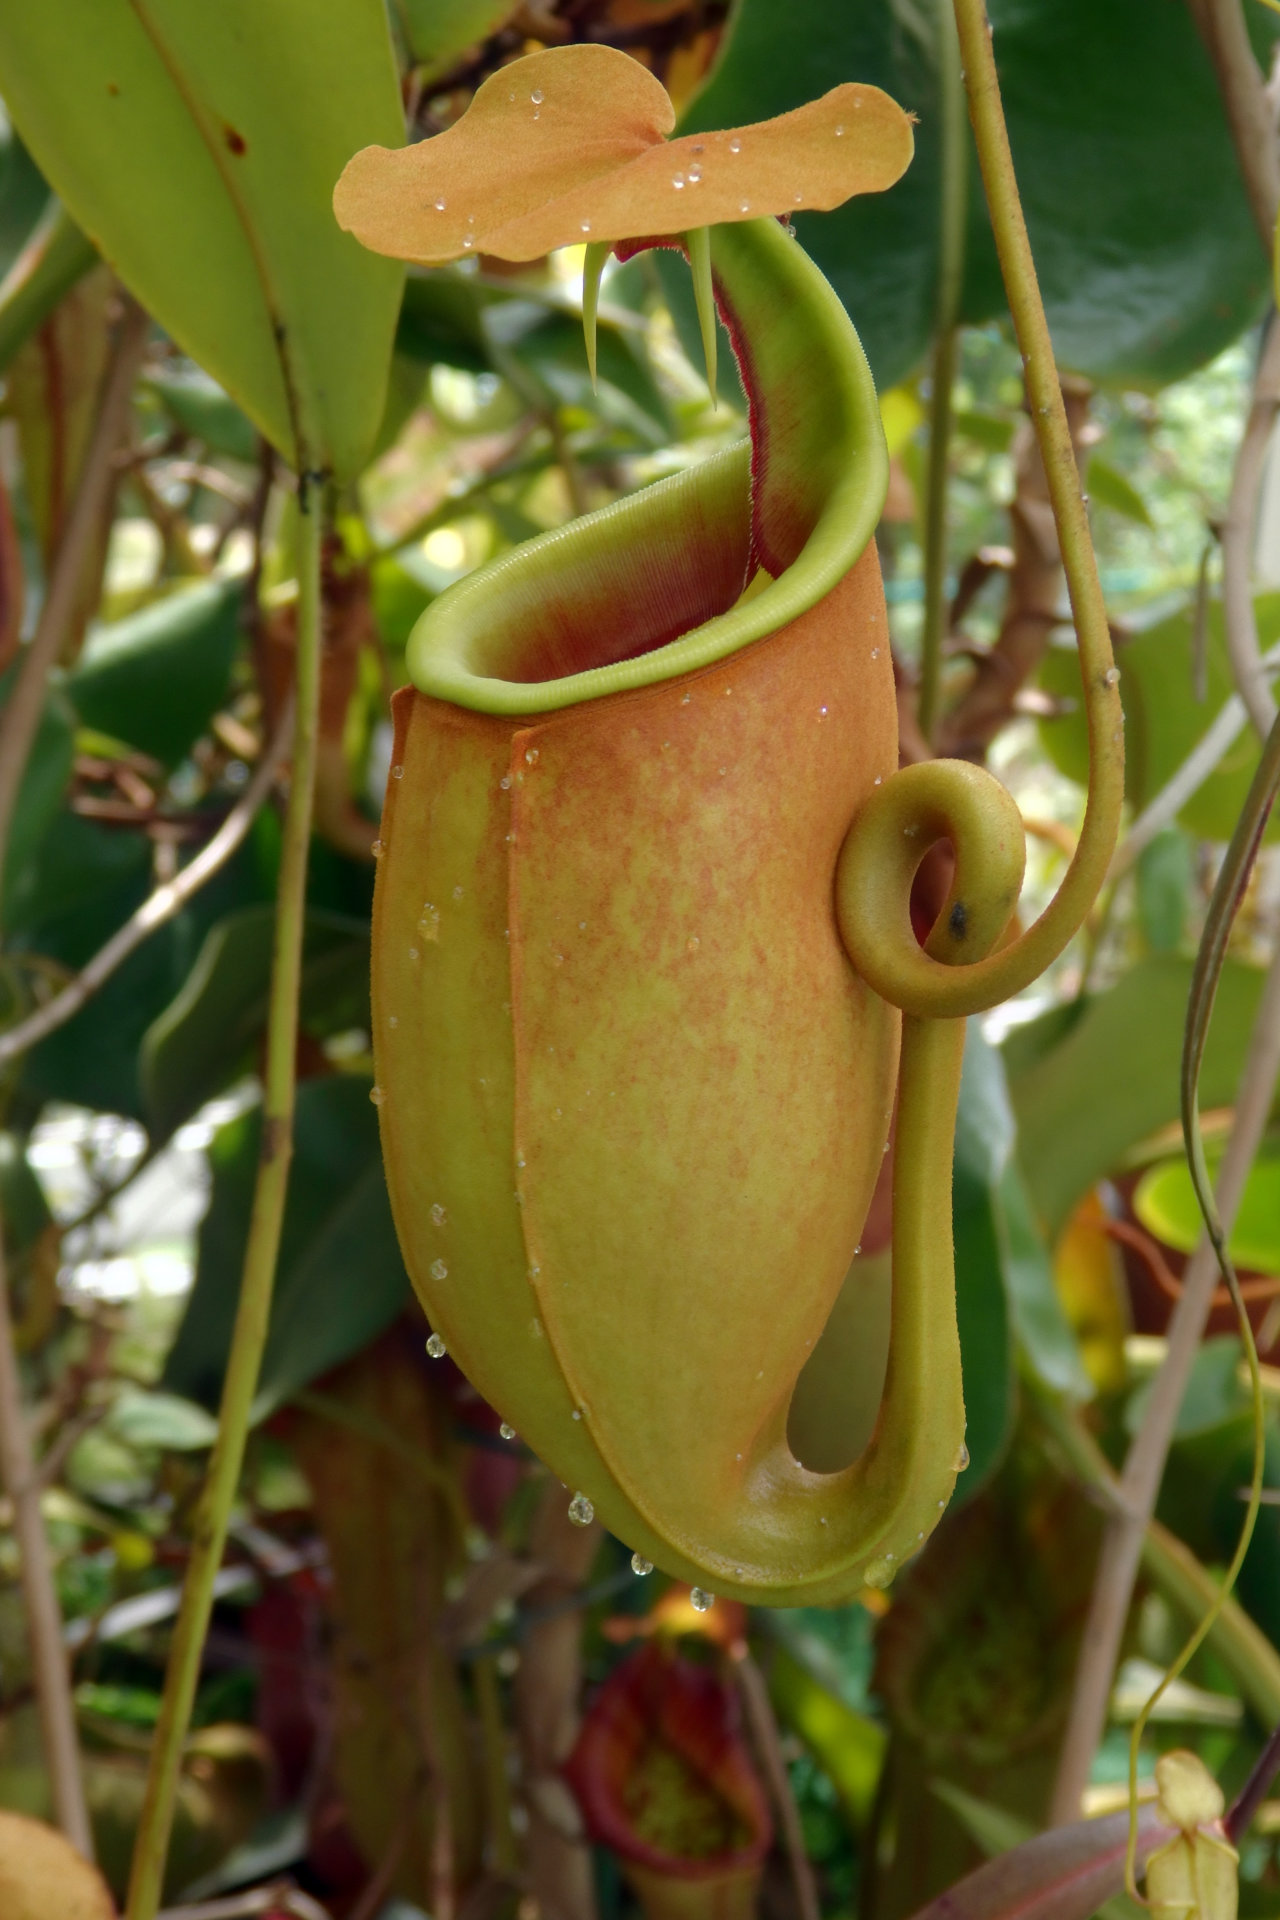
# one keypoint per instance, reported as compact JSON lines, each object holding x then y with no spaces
{"x":207,"y":1037}
{"x":143,"y":1419}
{"x":157,"y":678}
{"x":23,"y":1207}
{"x":202,"y":408}
{"x":848,"y":1746}
{"x":1166,"y":878}
{"x":1146,"y":251}
{"x":44,"y":781}
{"x":1163,"y":718}
{"x":340,"y":1280}
{"x":437,"y":31}
{"x":56,"y":256}
{"x":1107,"y":487}
{"x":1108,"y":1080}
{"x":198,"y":147}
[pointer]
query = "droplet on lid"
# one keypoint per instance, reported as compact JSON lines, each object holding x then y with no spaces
{"x":875,"y":653}
{"x":439,"y":1271}
{"x":586,"y":226}
{"x":677,"y":180}
{"x":377,"y":849}
{"x":735,"y":146}
{"x":640,"y":1565}
{"x":537,"y":96}
{"x":505,"y":782}
{"x":581,"y":1511}
{"x":879,"y":1573}
{"x":439,"y":206}
{"x":377,"y":1096}
{"x":695,"y":174}
{"x":397,"y":773}
{"x":799,"y":199}
{"x":744,"y":206}
{"x":962,"y":1458}
{"x":438,"y":1215}
{"x":468,"y":242}
{"x":700,"y":1600}
{"x":507,"y":1432}
{"x":839,"y":133}
{"x":436,"y":1347}
{"x":878,"y":781}
{"x":531,"y":755}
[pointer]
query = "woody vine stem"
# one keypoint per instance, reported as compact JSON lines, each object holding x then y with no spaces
{"x":257,"y":1279}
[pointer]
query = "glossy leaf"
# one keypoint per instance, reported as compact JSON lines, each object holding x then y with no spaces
{"x":572,"y":142}
{"x":43,"y":784}
{"x":200,"y":405}
{"x":437,"y":31}
{"x":156,"y":678}
{"x":849,"y":1746}
{"x":340,"y":1279}
{"x":1164,"y":719}
{"x":1146,"y":251}
{"x":56,"y":255}
{"x":209,"y":1035}
{"x":1117,"y":1061}
{"x":198,"y":147}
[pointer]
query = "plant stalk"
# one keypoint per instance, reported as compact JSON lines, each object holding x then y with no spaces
{"x":953,"y":210}
{"x":248,"y":1339}
{"x":51,"y":1677}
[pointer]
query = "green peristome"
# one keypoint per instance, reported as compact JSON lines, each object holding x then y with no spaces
{"x":634,"y":1098}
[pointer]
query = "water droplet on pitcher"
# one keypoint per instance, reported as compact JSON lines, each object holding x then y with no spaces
{"x":879,"y":1573}
{"x":439,"y":1271}
{"x":875,"y":653}
{"x":822,"y":713}
{"x":799,"y":199}
{"x":692,"y":944}
{"x":700,"y":1600}
{"x":878,"y":781}
{"x":505,"y":782}
{"x":413,"y":953}
{"x":377,"y":1096}
{"x":393,"y":1020}
{"x":439,"y":206}
{"x":520,"y":1160}
{"x":534,"y":1271}
{"x":1112,"y":676}
{"x":531,"y":755}
{"x":581,"y":1511}
{"x":377,"y":849}
{"x":586,"y":226}
{"x":577,"y":1413}
{"x":961,"y":1460}
{"x":942,"y":1506}
{"x":822,"y":1519}
{"x":457,"y":893}
{"x":436,"y":1347}
{"x":438,"y":1215}
{"x":397,"y":773}
{"x":467,"y":243}
{"x":537,"y":96}
{"x":744,"y":206}
{"x":507,"y":1432}
{"x":640,"y":1565}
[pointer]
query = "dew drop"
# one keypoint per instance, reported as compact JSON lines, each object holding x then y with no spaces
{"x":920,"y":1535}
{"x":677,"y":180}
{"x":687,"y":698}
{"x":505,"y":782}
{"x":586,"y":226}
{"x":822,"y":713}
{"x":457,"y":893}
{"x":413,"y":953}
{"x":961,"y":1460}
{"x":397,"y":773}
{"x":822,"y":1519}
{"x":439,"y":1271}
{"x":878,"y":781}
{"x":799,"y":201}
{"x":537,"y":96}
{"x":581,"y":1511}
{"x":695,"y":174}
{"x":582,"y":926}
{"x":839,"y":133}
{"x":377,"y":1096}
{"x":507,"y":1432}
{"x":735,"y":146}
{"x":439,"y":206}
{"x":520,"y":1160}
{"x":377,"y":849}
{"x":1112,"y":677}
{"x":436,"y":1347}
{"x":700,"y":1600}
{"x":942,"y":1506}
{"x":692,"y":944}
{"x":640,"y":1565}
{"x":879,"y":1573}
{"x":577,"y":1413}
{"x":438,"y":1215}
{"x":744,"y":206}
{"x":534,"y":1271}
{"x":875,"y":653}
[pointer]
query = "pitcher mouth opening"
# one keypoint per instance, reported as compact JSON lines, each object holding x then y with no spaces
{"x":655,"y":585}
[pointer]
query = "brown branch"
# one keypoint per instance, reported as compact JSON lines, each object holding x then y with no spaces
{"x":1152,"y":1257}
{"x":20,"y":716}
{"x":1249,"y":111}
{"x":764,"y":1734}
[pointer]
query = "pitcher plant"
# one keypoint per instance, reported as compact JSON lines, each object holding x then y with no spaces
{"x":646,"y":988}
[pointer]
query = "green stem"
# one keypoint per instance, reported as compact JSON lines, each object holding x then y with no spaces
{"x":213,"y":1513}
{"x":953,"y":209}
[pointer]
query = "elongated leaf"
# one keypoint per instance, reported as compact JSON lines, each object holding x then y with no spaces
{"x":1063,"y":1875}
{"x":340,"y":1278}
{"x":207,"y":1036}
{"x":156,"y":678}
{"x":1086,"y":1091}
{"x":39,"y":796}
{"x":198,"y":145}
